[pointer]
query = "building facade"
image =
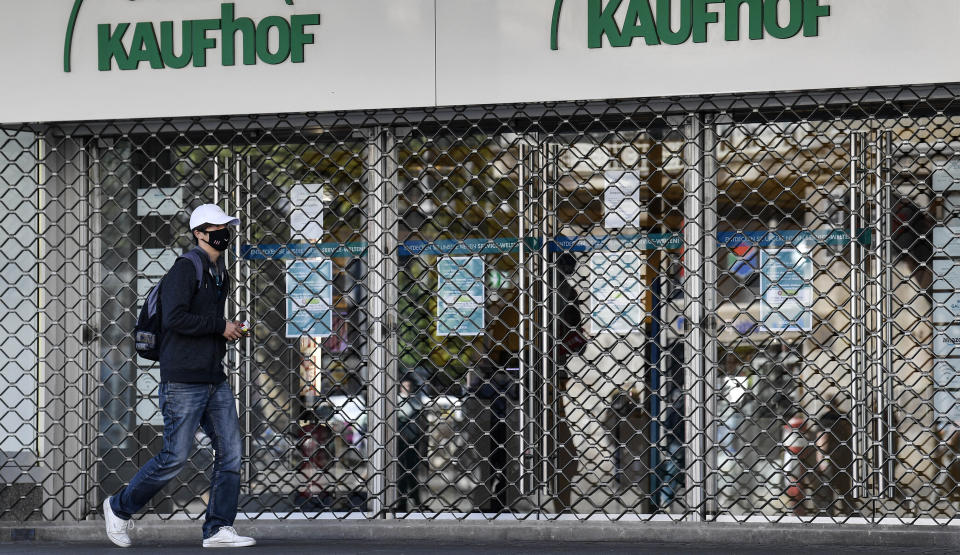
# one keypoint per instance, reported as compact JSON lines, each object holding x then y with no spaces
{"x":579,"y":260}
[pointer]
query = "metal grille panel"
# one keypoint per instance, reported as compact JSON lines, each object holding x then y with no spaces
{"x":725,"y":308}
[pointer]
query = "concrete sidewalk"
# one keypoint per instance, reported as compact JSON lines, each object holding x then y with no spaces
{"x":565,"y":536}
{"x":344,"y":547}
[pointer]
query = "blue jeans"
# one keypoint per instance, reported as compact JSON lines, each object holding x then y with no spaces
{"x":186,"y":407}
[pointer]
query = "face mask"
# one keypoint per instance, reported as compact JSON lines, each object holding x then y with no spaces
{"x":220,"y":239}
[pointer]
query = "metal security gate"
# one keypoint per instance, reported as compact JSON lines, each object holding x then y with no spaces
{"x":712,"y":309}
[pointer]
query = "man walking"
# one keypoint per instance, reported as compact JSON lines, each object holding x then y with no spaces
{"x":193,"y":389}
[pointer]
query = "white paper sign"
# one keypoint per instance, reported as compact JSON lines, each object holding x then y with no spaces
{"x":160,"y":201}
{"x":947,"y":179}
{"x":946,"y":307}
{"x":153,"y":264}
{"x":306,"y":214}
{"x":946,"y":404}
{"x":946,"y":341}
{"x":945,"y":375}
{"x":946,"y":240}
{"x":621,"y":199}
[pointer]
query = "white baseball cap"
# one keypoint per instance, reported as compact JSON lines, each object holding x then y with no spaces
{"x":211,"y":214}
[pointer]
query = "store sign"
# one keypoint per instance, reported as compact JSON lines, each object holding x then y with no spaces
{"x":659,"y":26}
{"x":117,"y":59}
{"x":158,"y":45}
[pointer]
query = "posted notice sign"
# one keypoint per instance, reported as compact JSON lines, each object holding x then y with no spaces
{"x":787,"y":290}
{"x":617,"y":291}
{"x":621,"y":200}
{"x":309,"y":298}
{"x":460,"y":295}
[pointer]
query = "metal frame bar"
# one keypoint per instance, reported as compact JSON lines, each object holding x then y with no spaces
{"x":694,"y":232}
{"x":382,"y":366}
{"x":524,"y":308}
{"x":803,"y":100}
{"x":548,"y":175}
{"x":709,"y":167}
{"x":860,"y":365}
{"x":886,"y":392}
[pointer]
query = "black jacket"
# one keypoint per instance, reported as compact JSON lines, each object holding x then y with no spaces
{"x":192,"y":345}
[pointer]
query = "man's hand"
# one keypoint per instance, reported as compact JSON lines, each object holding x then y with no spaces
{"x":232,"y":331}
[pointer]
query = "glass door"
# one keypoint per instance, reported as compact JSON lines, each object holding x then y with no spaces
{"x":614,"y":380}
{"x":306,"y":380}
{"x":143,"y":189}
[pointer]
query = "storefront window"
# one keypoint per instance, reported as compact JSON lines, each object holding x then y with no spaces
{"x":544,"y":351}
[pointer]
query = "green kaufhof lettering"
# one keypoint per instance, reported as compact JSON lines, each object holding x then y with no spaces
{"x":675,"y":22}
{"x":273,"y":40}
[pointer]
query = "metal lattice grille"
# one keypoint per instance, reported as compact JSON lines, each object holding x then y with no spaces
{"x":721,"y":308}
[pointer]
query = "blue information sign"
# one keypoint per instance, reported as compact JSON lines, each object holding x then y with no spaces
{"x":617,"y":291}
{"x":786,"y":286}
{"x":309,"y":298}
{"x":460,"y":295}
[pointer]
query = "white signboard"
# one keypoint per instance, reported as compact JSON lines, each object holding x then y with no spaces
{"x":621,"y":200}
{"x":504,"y":41}
{"x":946,"y":240}
{"x":153,"y":264}
{"x":946,"y":404}
{"x":160,"y":201}
{"x":947,"y":179}
{"x":333,"y":55}
{"x":107,"y":59}
{"x":306,"y":211}
{"x":946,"y":304}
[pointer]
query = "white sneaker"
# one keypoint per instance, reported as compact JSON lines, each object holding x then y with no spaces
{"x":117,"y":528}
{"x":226,"y":536}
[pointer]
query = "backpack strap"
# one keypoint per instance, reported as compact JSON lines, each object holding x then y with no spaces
{"x":197,"y":260}
{"x":153,"y":299}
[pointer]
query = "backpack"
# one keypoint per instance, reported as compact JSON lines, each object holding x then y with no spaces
{"x":147,"y":332}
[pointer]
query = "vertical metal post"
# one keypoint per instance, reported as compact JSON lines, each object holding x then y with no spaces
{"x":549,"y":392}
{"x":240,"y":369}
{"x":381,"y":235}
{"x":538,"y":317}
{"x":885,"y":389}
{"x":694,"y":231}
{"x":85,"y":331}
{"x":873,"y":353}
{"x":63,"y":326}
{"x":237,"y":275}
{"x":93,"y":268}
{"x":41,"y":301}
{"x":857,"y":336}
{"x":216,"y":178}
{"x":709,"y":169}
{"x":523,"y":180}
{"x":873,"y":386}
{"x":248,"y":340}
